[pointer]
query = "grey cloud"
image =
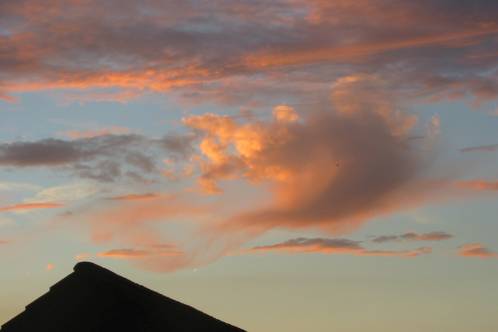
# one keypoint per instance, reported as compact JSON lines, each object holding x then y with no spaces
{"x":412,"y":236}
{"x":179,"y":145}
{"x":481,"y":148}
{"x":335,"y":246}
{"x":41,"y":153}
{"x":103,"y":158}
{"x":320,"y":242}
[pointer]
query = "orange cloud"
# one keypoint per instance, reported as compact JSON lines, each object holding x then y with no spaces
{"x":135,"y":225}
{"x":479,"y":185}
{"x":135,"y":197}
{"x":137,"y":253}
{"x":146,"y":47}
{"x":30,"y":206}
{"x":333,"y":169}
{"x":50,"y":267}
{"x":82,"y":256}
{"x":476,"y":250}
{"x":335,"y":246}
{"x":345,"y":52}
{"x":285,"y":113}
{"x":7,"y":98}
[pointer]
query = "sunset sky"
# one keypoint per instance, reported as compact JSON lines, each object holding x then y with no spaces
{"x":280,"y":164}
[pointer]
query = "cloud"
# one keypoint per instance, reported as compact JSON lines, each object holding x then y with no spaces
{"x":329,"y":167}
{"x":481,"y":148}
{"x":66,"y":193}
{"x":361,"y":50}
{"x":50,"y":267}
{"x":105,"y":157}
{"x":476,"y":250}
{"x":478,"y":185}
{"x":332,"y":169}
{"x":135,"y":226}
{"x":100,"y":158}
{"x":82,"y":257}
{"x":334,"y":246}
{"x":18,"y":186}
{"x":146,"y":47}
{"x":113,"y":130}
{"x":135,"y":197}
{"x":139,"y":253}
{"x":30,"y":206}
{"x":285,"y":113}
{"x":178,"y":145}
{"x":45,"y":153}
{"x":412,"y":236}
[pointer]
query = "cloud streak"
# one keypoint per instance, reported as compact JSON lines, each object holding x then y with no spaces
{"x":481,"y":148}
{"x":478,"y":185}
{"x":30,"y":206}
{"x":335,"y":246}
{"x":476,"y":250}
{"x":137,"y":253}
{"x":135,"y":197}
{"x":198,"y":50}
{"x":103,"y":157}
{"x":412,"y":236}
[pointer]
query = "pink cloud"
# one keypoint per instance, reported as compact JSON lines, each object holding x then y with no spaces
{"x":135,"y":197}
{"x":335,"y":246}
{"x":30,"y":206}
{"x":476,"y":250}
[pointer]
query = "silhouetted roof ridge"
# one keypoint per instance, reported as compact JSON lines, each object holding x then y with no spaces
{"x":93,"y":298}
{"x":97,"y":274}
{"x":89,"y":266}
{"x":95,"y":271}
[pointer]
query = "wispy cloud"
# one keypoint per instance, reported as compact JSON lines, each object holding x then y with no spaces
{"x":335,"y":246}
{"x":476,"y":250}
{"x":138,"y":253}
{"x":327,"y":169}
{"x":478,"y":185}
{"x":66,"y":193}
{"x":18,"y":186}
{"x":30,"y":206}
{"x":105,"y":158}
{"x":481,"y":148}
{"x":135,"y":197}
{"x":412,"y":236}
{"x":146,"y":47}
{"x":90,"y":133}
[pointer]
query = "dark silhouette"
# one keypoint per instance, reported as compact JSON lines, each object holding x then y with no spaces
{"x":95,"y":299}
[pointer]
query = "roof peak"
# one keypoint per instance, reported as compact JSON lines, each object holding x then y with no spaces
{"x":88,"y":266}
{"x":95,"y":298}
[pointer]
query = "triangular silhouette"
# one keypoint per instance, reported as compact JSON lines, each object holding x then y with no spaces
{"x":95,"y":299}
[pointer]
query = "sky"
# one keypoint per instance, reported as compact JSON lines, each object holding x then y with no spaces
{"x":279,"y":164}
